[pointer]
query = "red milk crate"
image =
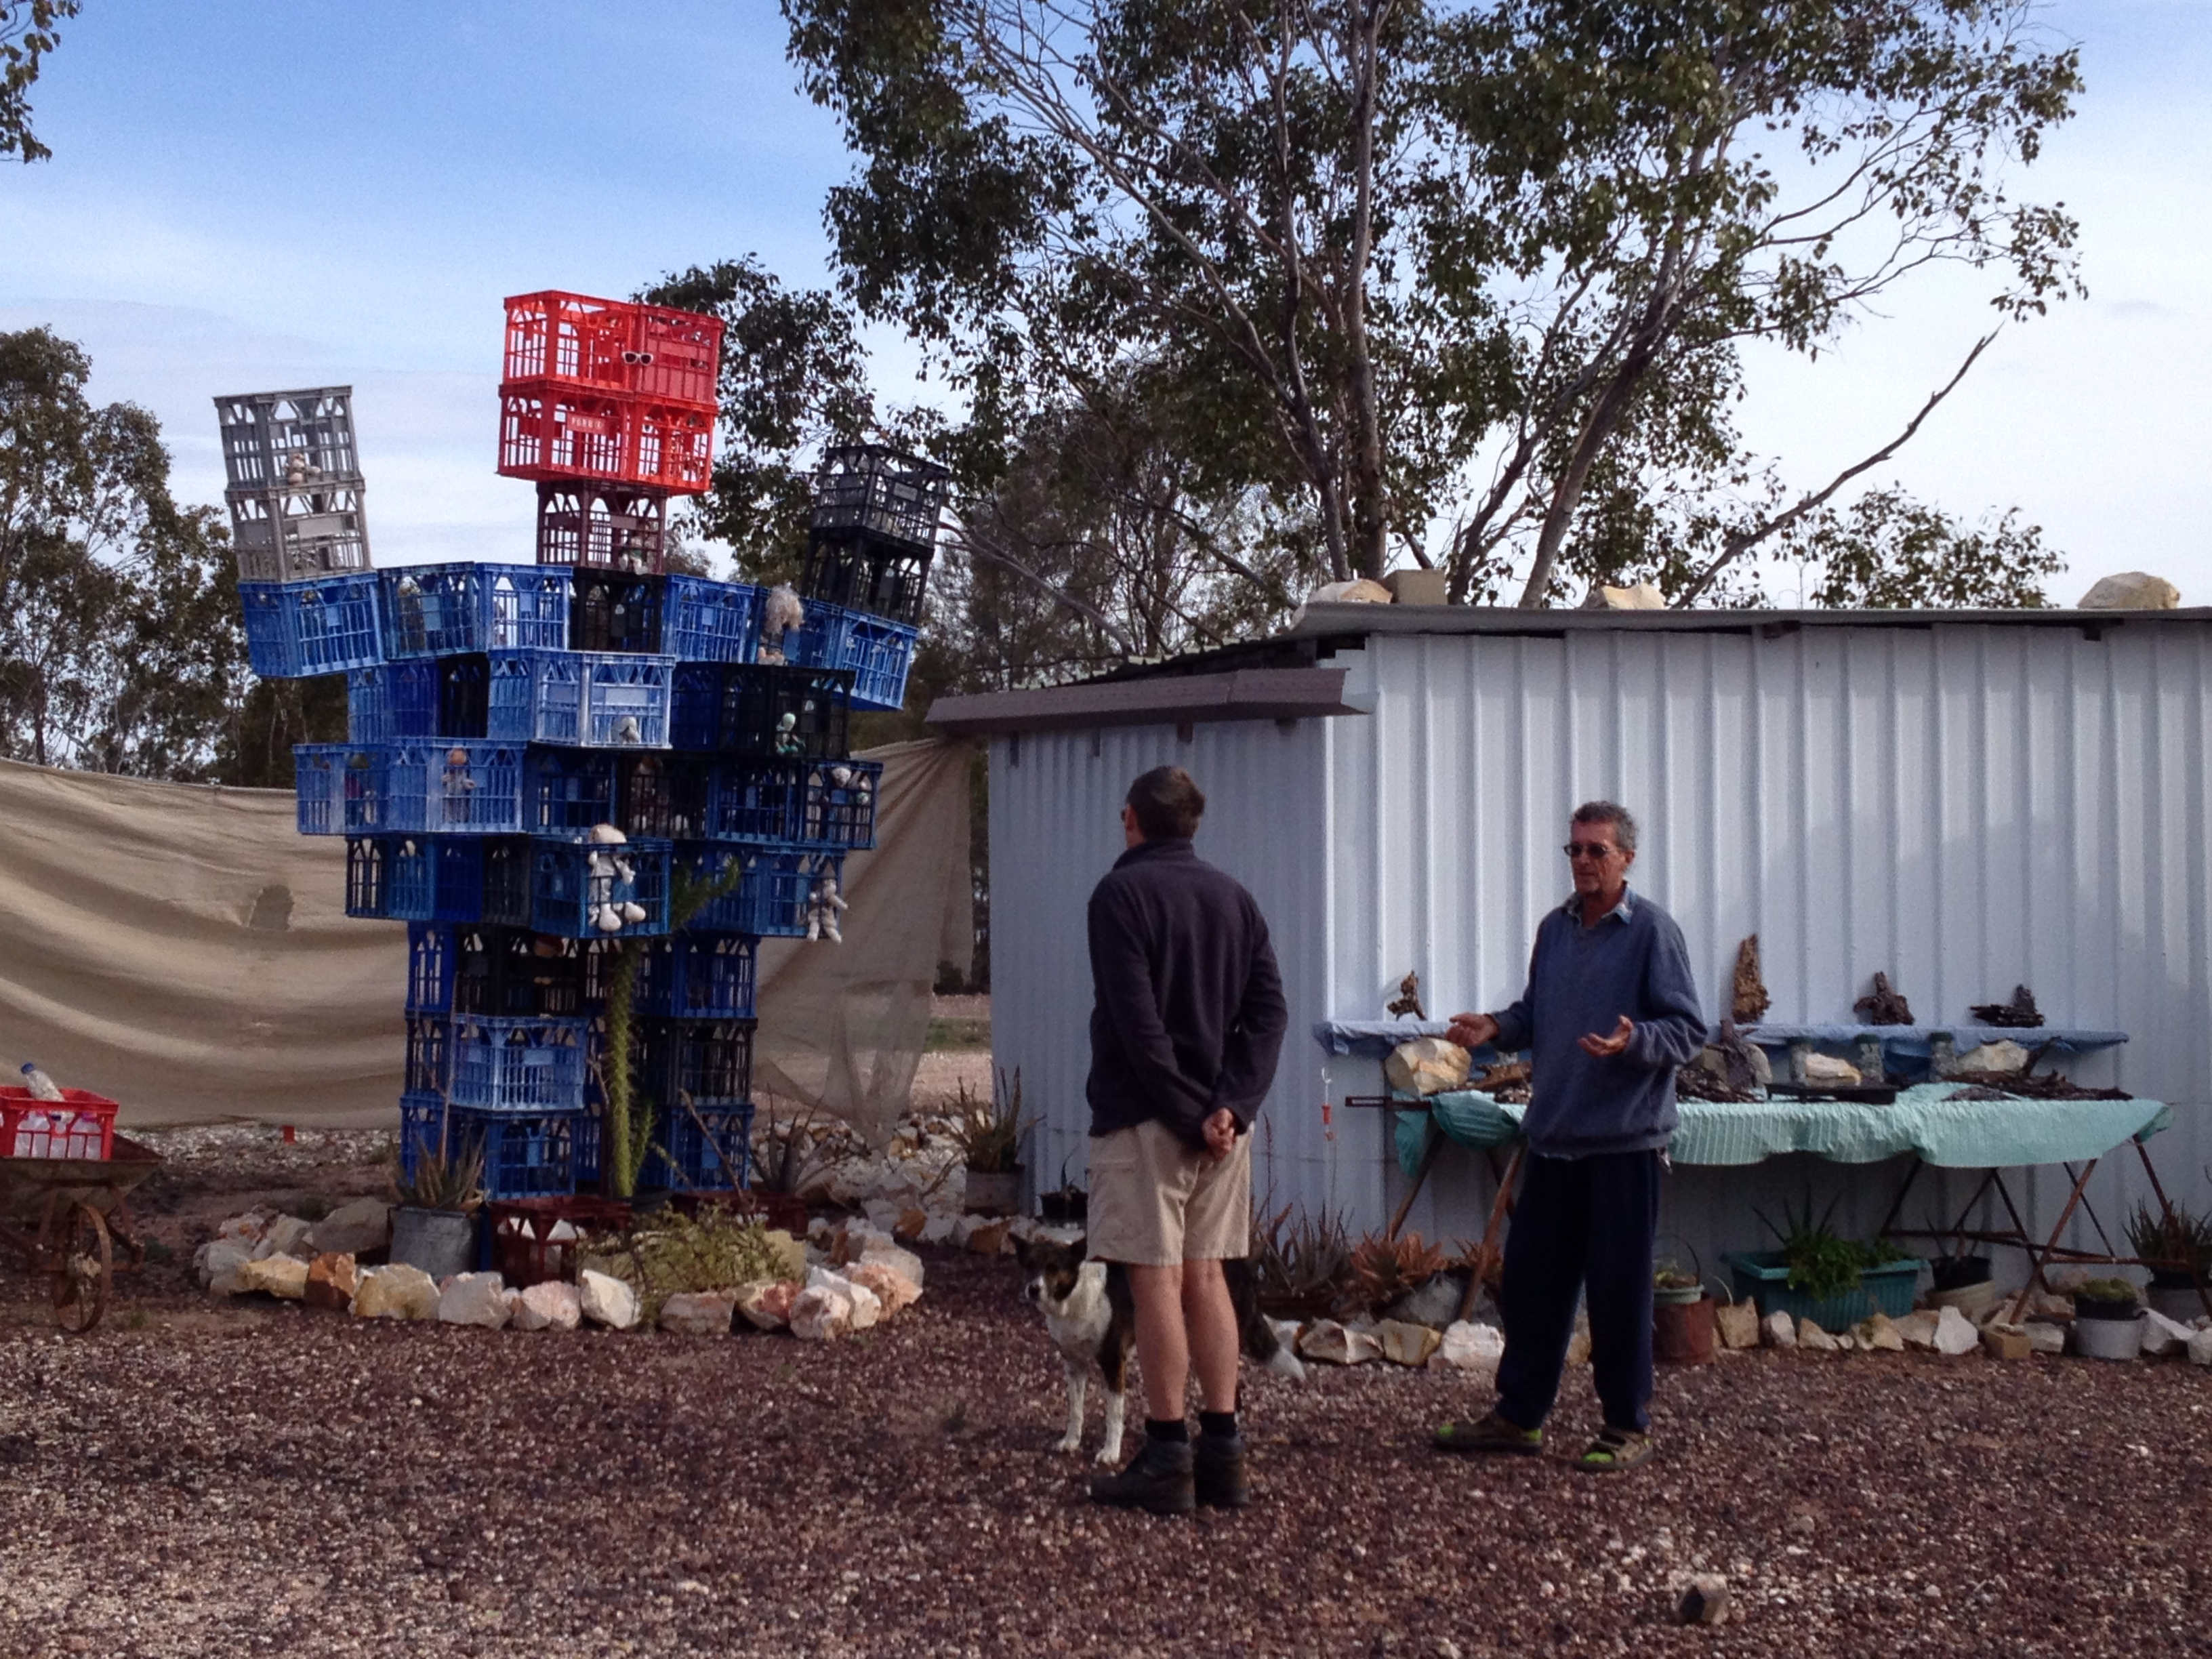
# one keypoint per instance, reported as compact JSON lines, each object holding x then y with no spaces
{"x":575,"y":341}
{"x":81,"y":1124}
{"x":552,"y":435}
{"x":535,"y":1239}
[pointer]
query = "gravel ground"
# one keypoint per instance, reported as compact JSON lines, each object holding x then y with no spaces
{"x":205,"y":1479}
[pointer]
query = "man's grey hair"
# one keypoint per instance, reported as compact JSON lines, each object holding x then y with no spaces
{"x":1605,"y":811}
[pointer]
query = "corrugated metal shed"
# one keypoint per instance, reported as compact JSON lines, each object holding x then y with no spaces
{"x":1964,"y":802}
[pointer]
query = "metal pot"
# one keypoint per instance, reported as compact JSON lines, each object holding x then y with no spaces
{"x":994,"y":1192}
{"x":2176,"y":1302}
{"x":1972,"y":1300}
{"x":441,"y":1242}
{"x":1683,"y":1332}
{"x":2109,"y":1339}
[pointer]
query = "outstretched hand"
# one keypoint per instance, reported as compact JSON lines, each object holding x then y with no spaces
{"x":1471,"y":1031}
{"x":1606,"y":1047}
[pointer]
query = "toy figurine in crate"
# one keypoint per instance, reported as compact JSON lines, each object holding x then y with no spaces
{"x":599,"y":883}
{"x":824,"y":906}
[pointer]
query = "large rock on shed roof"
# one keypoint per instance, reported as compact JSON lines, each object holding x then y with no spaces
{"x":2132,"y":590}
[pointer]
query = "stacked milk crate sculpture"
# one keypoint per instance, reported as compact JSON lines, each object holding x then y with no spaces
{"x":548,"y":764}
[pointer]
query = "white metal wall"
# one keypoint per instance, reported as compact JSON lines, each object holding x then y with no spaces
{"x":1963,"y":807}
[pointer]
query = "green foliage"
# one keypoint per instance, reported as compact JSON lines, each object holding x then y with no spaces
{"x":2112,"y":1292}
{"x":1821,"y":1264}
{"x":2176,"y":1245}
{"x":713,"y":1251}
{"x":27,"y":34}
{"x":989,"y":1132}
{"x":784,"y":1159}
{"x":446,"y":1177}
{"x":626,"y":1122}
{"x":1291,"y":1260}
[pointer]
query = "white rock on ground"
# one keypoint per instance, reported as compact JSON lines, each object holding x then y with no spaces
{"x":822,"y":1311}
{"x":552,"y":1305}
{"x":352,"y":1229}
{"x":284,"y":1276}
{"x":2200,"y":1347}
{"x":1334,"y":1344}
{"x":2044,"y":1337}
{"x":1405,"y":1343}
{"x":1955,"y":1333}
{"x":699,"y":1313}
{"x":1810,"y":1335}
{"x":1877,"y":1333}
{"x":398,"y":1292}
{"x":894,"y":1289}
{"x":2162,"y":1336}
{"x":1737,"y":1323}
{"x":1468,"y":1346}
{"x":287,"y":1236}
{"x":1918,"y":1329}
{"x":605,"y":1300}
{"x":766,"y":1304}
{"x":473,"y":1299}
{"x":220,"y":1263}
{"x":1778,"y":1330}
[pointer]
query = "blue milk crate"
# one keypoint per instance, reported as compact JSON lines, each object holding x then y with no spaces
{"x":294,"y":630}
{"x":391,"y":700}
{"x":422,"y":1128}
{"x":838,"y":808}
{"x":365,"y":890}
{"x":575,"y":882}
{"x":704,"y":621}
{"x":525,"y":1156}
{"x":877,"y":652}
{"x":429,"y":1052}
{"x":708,"y":1061}
{"x":568,"y":790}
{"x":703,"y":1149}
{"x":390,"y":878}
{"x":512,"y":972}
{"x":759,"y":800}
{"x":432,"y":950}
{"x":322,"y":776}
{"x":483,"y":879}
{"x":768,"y":893}
{"x":536,"y":696}
{"x":460,"y":787}
{"x":441,"y":609}
{"x":697,"y":975}
{"x":500,"y":1065}
{"x":626,"y":700}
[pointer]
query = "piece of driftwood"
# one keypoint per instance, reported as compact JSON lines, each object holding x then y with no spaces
{"x":1885,"y":1005}
{"x":1694,"y":1082}
{"x":1409,"y":1000}
{"x":1747,"y":1005}
{"x":1736,"y":1052}
{"x":2020,"y":1012}
{"x":1505,"y":1073}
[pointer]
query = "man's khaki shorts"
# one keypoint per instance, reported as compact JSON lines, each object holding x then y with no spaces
{"x":1156,"y":1201}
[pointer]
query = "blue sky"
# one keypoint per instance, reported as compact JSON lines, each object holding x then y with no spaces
{"x":254,"y":195}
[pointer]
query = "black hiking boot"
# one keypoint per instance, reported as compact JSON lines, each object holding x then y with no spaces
{"x":1219,"y":1472}
{"x":1158,"y":1479}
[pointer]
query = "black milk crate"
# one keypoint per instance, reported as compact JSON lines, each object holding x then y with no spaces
{"x":391,"y":877}
{"x":603,"y":527}
{"x":764,"y":892}
{"x":514,"y":973}
{"x":758,"y":800}
{"x":600,"y":699}
{"x":567,"y":790}
{"x":465,"y":695}
{"x":274,"y":440}
{"x":877,"y":652}
{"x":502,"y":1064}
{"x":882,"y":491}
{"x":442,"y":610}
{"x":859,"y":572}
{"x":697,"y":976}
{"x":438,"y":786}
{"x":611,"y":611}
{"x":393,"y":701}
{"x":838,"y":806}
{"x":699,"y":1149}
{"x":422,"y":1128}
{"x":708,"y":1061}
{"x":288,"y":535}
{"x":577,"y":885}
{"x":764,"y":710}
{"x":706,"y":621}
{"x":432,"y":949}
{"x":525,"y":1155}
{"x":483,"y":879}
{"x":664,"y":797}
{"x":430,"y":1063}
{"x":296,"y":630}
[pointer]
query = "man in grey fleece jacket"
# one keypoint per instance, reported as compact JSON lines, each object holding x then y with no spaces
{"x":1611,"y":1011}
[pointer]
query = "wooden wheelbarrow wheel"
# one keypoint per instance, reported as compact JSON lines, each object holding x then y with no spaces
{"x":80,"y":1259}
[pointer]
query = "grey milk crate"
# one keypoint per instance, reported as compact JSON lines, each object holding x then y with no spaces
{"x":289,"y":440}
{"x":289,"y":536}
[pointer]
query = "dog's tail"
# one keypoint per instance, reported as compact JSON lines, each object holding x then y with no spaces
{"x":1263,"y":1345}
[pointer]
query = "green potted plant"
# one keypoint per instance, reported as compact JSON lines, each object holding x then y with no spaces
{"x":2178,"y":1248}
{"x":990,"y":1135}
{"x":2108,"y":1319}
{"x":1300,"y":1268}
{"x":435,"y":1226}
{"x":1819,"y":1275}
{"x":1684,"y":1328}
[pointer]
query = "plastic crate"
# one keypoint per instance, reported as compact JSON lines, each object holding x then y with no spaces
{"x":603,"y":527}
{"x":432,"y":950}
{"x":295,"y":631}
{"x":535,"y":696}
{"x":575,"y":884}
{"x":465,"y":695}
{"x":322,"y":776}
{"x":626,"y":700}
{"x":552,"y":435}
{"x":484,"y":880}
{"x":838,"y":805}
{"x":394,"y":700}
{"x":512,"y":972}
{"x":428,"y":1065}
{"x":762,"y":892}
{"x":612,"y":345}
{"x":1887,"y":1289}
{"x":534,"y":1241}
{"x":882,"y":491}
{"x":468,"y":787}
{"x":763,"y":711}
{"x":286,"y":535}
{"x":860,"y":572}
{"x":273,"y":439}
{"x":707,"y":620}
{"x":514,"y":1064}
{"x":758,"y":800}
{"x":79,"y":1125}
{"x":422,"y":1128}
{"x":612,"y":611}
{"x":391,"y":877}
{"x":664,"y":797}
{"x":528,"y":1155}
{"x":442,"y":610}
{"x":709,"y":1060}
{"x":697,"y":976}
{"x":568,"y":789}
{"x":699,"y":1149}
{"x":877,"y":652}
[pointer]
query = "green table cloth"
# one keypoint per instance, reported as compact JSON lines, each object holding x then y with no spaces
{"x":1959,"y":1135}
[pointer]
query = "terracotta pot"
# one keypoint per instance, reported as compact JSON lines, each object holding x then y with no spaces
{"x":1683,"y":1332}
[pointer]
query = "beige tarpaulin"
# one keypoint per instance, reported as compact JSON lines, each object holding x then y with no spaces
{"x":184,"y":951}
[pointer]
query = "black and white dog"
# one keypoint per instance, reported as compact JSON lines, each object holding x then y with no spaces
{"x":1092,"y":1317}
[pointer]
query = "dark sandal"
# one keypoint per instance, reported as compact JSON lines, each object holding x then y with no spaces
{"x":1614,"y":1450}
{"x":1493,"y":1435}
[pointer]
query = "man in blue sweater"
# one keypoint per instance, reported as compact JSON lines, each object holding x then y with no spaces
{"x":1610,"y":1011}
